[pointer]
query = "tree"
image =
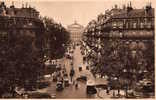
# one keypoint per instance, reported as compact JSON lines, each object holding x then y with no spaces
{"x":21,"y":62}
{"x":56,"y":38}
{"x":149,"y":57}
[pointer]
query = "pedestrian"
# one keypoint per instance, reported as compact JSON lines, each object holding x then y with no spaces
{"x":113,"y":93}
{"x":76,"y":84}
{"x":62,"y":72}
{"x":61,"y":79}
{"x":59,"y":73}
{"x":71,"y":78}
{"x":72,"y":72}
{"x":108,"y":89}
{"x":118,"y":92}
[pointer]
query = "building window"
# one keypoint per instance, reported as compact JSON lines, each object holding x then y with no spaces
{"x":114,"y":24}
{"x":120,"y":24}
{"x":3,"y":35}
{"x":134,"y":25}
{"x":127,"y":25}
{"x":152,"y":22}
{"x":141,"y":25}
{"x":120,"y":33}
{"x":148,"y":25}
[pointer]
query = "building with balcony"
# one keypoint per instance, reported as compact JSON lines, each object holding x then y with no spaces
{"x":127,"y":24}
{"x":130,"y":27}
{"x":12,"y":11}
{"x":20,"y":22}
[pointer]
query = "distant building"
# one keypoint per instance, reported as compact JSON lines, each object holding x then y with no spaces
{"x":76,"y":31}
{"x":12,"y":11}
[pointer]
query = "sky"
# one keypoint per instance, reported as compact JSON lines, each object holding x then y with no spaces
{"x":68,"y":11}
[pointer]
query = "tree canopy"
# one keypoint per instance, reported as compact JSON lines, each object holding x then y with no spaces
{"x":56,"y":38}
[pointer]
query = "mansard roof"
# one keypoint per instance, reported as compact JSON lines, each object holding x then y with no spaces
{"x":135,"y":13}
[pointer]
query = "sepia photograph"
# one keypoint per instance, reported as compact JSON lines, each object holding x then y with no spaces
{"x":77,"y":49}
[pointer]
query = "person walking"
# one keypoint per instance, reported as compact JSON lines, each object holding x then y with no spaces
{"x":76,"y":84}
{"x":72,"y":72}
{"x":113,"y":93}
{"x":108,"y":89}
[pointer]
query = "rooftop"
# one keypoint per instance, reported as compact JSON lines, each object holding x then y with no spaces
{"x":75,"y":25}
{"x":135,"y":13}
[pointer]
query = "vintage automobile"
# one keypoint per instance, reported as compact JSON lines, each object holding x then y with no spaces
{"x":91,"y":89}
{"x":59,"y":86}
{"x":66,"y":81}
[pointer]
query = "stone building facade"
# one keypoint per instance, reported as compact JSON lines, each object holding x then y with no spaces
{"x":127,"y":24}
{"x":76,"y":31}
{"x":132,"y":26}
{"x":21,"y":22}
{"x":128,"y":31}
{"x":12,"y":11}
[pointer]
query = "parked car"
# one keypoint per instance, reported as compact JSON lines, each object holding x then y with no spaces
{"x":148,"y":88}
{"x":66,"y":81}
{"x":90,"y":89}
{"x":59,"y":86}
